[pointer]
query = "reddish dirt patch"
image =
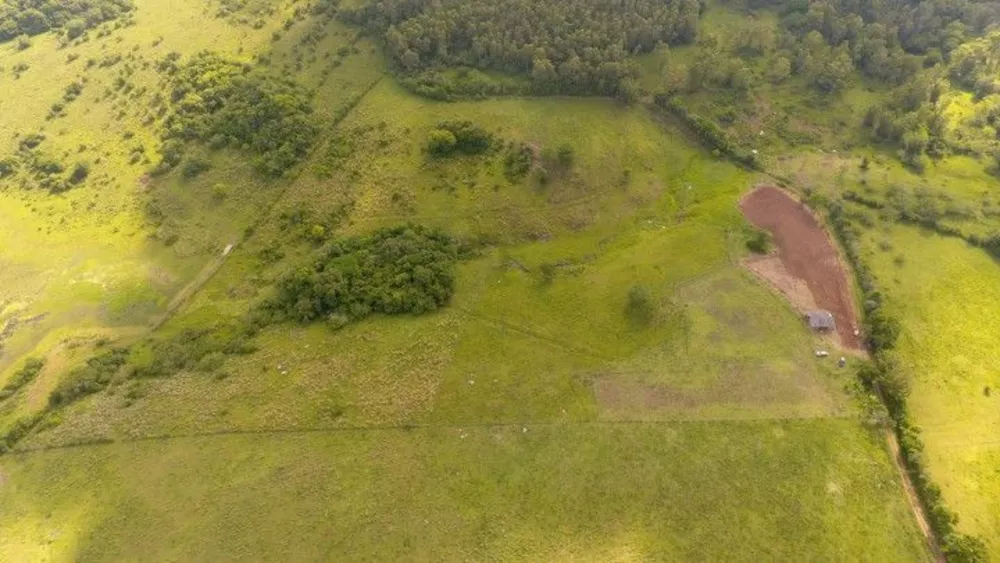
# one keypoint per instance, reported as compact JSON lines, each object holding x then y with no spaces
{"x":807,"y":253}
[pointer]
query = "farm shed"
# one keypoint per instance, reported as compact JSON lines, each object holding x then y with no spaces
{"x":820,"y":320}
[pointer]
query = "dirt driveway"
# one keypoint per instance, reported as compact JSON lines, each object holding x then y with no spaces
{"x":807,"y":253}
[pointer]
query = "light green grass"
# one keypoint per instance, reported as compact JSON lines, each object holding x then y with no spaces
{"x":947,"y":296}
{"x":95,"y":257}
{"x":745,"y":491}
{"x":483,"y":430}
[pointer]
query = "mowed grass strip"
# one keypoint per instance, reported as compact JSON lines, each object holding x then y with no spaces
{"x":947,"y":296}
{"x":805,"y":490}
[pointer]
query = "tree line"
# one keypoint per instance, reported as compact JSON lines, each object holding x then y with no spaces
{"x":566,"y":47}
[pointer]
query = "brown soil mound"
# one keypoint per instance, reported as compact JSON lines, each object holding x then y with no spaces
{"x":807,"y":253}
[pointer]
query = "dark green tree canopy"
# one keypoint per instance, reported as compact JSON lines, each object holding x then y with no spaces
{"x":32,"y":17}
{"x":569,"y":46}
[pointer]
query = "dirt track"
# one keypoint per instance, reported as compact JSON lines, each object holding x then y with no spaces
{"x":807,"y":253}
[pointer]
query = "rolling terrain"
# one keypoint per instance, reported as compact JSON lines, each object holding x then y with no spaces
{"x":602,"y":380}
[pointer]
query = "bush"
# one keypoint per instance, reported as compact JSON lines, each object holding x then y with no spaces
{"x":517,"y":163}
{"x":79,"y":173}
{"x":458,"y":136}
{"x":759,"y":241}
{"x":565,"y":155}
{"x":195,"y":166}
{"x":640,"y":308}
{"x":441,"y":142}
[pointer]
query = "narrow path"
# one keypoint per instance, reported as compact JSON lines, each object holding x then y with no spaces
{"x":189,"y":290}
{"x":911,"y":496}
{"x":404,"y":427}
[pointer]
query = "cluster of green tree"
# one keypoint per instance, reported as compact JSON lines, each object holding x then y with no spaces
{"x":32,"y":17}
{"x":882,"y":378}
{"x":572,"y":46}
{"x":222,"y":103}
{"x":31,"y":368}
{"x":463,"y":137}
{"x":911,"y":119}
{"x":930,"y":212}
{"x":975,"y":65}
{"x":885,"y":40}
{"x":392,"y":271}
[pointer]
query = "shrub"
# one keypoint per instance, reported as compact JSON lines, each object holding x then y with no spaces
{"x":640,"y":308}
{"x":79,"y":173}
{"x":441,"y":142}
{"x":759,"y":241}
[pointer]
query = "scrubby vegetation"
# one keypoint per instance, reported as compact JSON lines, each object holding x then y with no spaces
{"x":31,"y":368}
{"x":90,"y":378}
{"x":221,"y":103}
{"x":392,"y":271}
{"x":32,"y":17}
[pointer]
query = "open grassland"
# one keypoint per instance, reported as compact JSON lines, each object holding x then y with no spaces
{"x":110,"y":258}
{"x":684,"y":491}
{"x":606,"y":382}
{"x":947,"y":295}
{"x":530,"y":419}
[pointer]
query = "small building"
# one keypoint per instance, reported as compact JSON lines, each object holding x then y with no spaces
{"x":821,"y":321}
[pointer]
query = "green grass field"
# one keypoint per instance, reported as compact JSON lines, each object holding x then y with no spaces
{"x":814,"y":490}
{"x":530,"y":419}
{"x":946,"y":294}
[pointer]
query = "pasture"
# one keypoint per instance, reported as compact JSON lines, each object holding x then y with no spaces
{"x":945,"y":293}
{"x":606,"y":382}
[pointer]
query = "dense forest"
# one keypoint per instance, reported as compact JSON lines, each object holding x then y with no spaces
{"x":33,"y":17}
{"x":575,"y":46}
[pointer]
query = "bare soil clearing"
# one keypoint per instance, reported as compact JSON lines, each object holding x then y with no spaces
{"x":772,"y":270}
{"x":807,"y":253}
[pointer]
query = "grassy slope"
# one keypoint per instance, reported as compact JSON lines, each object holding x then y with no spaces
{"x":125,"y":278}
{"x":120,"y":279}
{"x":557,"y":358}
{"x":509,"y":350}
{"x":583,"y":492}
{"x":948,"y":297}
